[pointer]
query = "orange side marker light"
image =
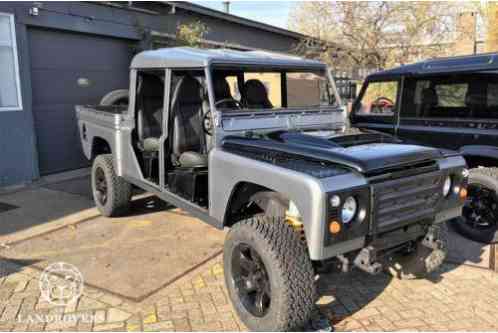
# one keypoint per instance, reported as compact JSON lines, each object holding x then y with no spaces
{"x":334,"y":227}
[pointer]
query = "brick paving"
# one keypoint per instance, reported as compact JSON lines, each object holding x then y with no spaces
{"x":456,"y":298}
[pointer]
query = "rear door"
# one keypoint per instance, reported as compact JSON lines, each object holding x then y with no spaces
{"x":375,"y":108}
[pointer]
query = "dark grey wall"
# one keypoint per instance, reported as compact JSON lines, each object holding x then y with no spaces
{"x":18,"y":153}
{"x":18,"y":158}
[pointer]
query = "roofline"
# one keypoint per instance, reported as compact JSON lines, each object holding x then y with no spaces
{"x":264,"y":63}
{"x":379,"y":75}
{"x":187,"y":57}
{"x":233,"y":18}
{"x":462,"y":56}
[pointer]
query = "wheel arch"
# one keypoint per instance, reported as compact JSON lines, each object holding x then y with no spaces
{"x":245,"y":194}
{"x":100,"y":146}
{"x":480,"y":155}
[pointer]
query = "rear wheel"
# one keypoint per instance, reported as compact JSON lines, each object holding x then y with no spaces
{"x":111,"y":193}
{"x":269,"y":276}
{"x":479,"y":221}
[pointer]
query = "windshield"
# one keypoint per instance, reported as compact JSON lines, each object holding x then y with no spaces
{"x":260,"y":89}
{"x":379,"y":98}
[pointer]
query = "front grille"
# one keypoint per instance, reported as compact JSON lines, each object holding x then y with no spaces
{"x":405,"y":200}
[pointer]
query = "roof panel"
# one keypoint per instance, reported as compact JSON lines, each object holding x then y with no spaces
{"x":480,"y":62}
{"x":192,"y":57}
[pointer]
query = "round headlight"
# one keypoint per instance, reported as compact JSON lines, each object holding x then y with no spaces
{"x":447,"y":186}
{"x":335,"y":201}
{"x":349,"y":209}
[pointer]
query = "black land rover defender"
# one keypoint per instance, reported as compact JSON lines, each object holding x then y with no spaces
{"x":448,"y":103}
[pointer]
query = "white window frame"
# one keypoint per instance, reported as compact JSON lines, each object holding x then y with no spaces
{"x":16,"y":65}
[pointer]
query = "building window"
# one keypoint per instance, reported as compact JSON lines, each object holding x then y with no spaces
{"x":10,"y":94}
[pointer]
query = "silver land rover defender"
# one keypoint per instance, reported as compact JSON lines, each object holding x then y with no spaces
{"x":257,"y":143}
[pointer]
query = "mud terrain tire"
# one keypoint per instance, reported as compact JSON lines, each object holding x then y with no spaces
{"x":111,"y":193}
{"x":289,"y":274}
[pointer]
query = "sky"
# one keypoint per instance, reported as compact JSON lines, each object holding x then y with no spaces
{"x":270,"y":12}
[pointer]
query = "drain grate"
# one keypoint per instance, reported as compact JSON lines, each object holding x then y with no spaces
{"x":4,"y":207}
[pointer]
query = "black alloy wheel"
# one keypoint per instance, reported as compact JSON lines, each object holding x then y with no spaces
{"x":480,"y":212}
{"x":251,"y":280}
{"x":481,"y":208}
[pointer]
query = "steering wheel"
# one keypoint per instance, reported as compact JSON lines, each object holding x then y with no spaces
{"x":383,"y":102}
{"x":229,"y":100}
{"x":207,"y":123}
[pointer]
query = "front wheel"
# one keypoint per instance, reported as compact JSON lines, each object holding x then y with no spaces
{"x":479,"y":221}
{"x":111,"y":193}
{"x":269,"y":276}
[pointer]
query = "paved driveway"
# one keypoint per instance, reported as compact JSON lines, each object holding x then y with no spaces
{"x":135,"y":296}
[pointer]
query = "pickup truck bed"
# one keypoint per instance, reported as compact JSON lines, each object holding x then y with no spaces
{"x":108,"y":116}
{"x":102,"y":123}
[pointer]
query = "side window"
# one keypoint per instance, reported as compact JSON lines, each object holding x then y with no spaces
{"x":10,"y":94}
{"x":492,"y":95}
{"x":272,"y":83}
{"x":379,"y":99}
{"x":452,"y":95}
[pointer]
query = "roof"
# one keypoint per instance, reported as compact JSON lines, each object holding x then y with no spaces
{"x":480,"y":62}
{"x":178,"y":57}
{"x":233,"y":18}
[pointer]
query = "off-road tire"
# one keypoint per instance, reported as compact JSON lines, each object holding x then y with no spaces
{"x":116,"y":97}
{"x":419,"y":263}
{"x":291,"y":275}
{"x":487,"y":177}
{"x":119,"y":191}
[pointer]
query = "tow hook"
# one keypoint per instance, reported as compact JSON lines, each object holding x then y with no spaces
{"x":366,"y":260}
{"x":432,"y":239}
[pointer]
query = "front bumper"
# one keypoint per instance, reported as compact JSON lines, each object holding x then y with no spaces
{"x":377,"y":254}
{"x":391,"y":238}
{"x":372,"y":258}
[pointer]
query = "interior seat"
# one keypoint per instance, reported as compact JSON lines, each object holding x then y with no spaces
{"x":150,"y":112}
{"x":222,"y":92}
{"x":429,"y":101}
{"x":255,"y":95}
{"x":188,"y":137}
{"x":476,"y":102}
